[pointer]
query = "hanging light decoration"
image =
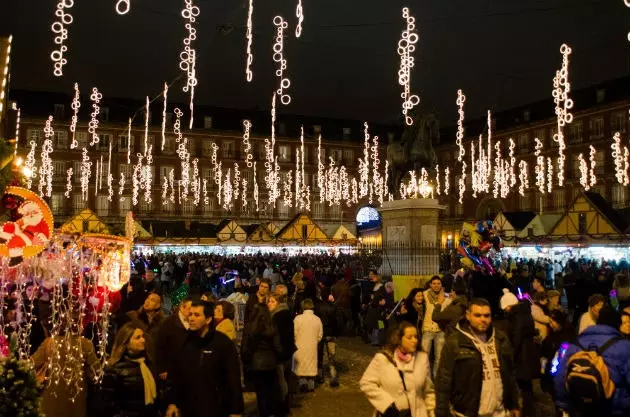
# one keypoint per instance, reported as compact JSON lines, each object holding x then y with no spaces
{"x":164,"y":95}
{"x":512,"y":164}
{"x":184,"y":157}
{"x":86,"y":173}
{"x":278,"y":57}
{"x":195,"y":184}
{"x":136,"y":180}
{"x":299,"y":13}
{"x":76,"y":105}
{"x":473,"y":170}
{"x":540,"y":166}
{"x":320,"y":170}
{"x":121,"y":187}
{"x":561,"y":90}
{"x":237,"y":182}
{"x":447,"y":181}
{"x":68,"y":182}
{"x":206,"y":199}
{"x":188,"y":56}
{"x":498,"y":170}
{"x":110,"y":176}
{"x":584,"y":173}
{"x":591,"y":172}
{"x":406,"y":48}
{"x":247,"y":125}
{"x":617,"y":156}
{"x":123,"y":6}
{"x":549,"y":175}
{"x":364,"y":164}
{"x":523,"y":176}
{"x":255,"y":187}
{"x":626,"y":166}
{"x":437,"y":180}
{"x":46,"y":166}
{"x":377,"y":182}
{"x":96,"y":97}
{"x":249,"y":60}
{"x":129,"y":142}
{"x":288,"y":186}
{"x":171,"y":180}
{"x":227,"y":191}
{"x":60,"y":30}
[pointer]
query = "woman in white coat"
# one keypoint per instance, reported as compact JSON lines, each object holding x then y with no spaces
{"x":398,"y":380}
{"x":309,"y":331}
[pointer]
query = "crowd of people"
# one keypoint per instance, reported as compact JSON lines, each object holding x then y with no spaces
{"x":466,"y":344}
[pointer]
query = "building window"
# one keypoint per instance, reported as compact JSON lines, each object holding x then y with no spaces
{"x":187,"y":206}
{"x":347,"y":132}
{"x":284,"y":153}
{"x":60,"y":139}
{"x":169,"y":146}
{"x":123,"y":142}
{"x":168,"y":206}
{"x":35,"y":135}
{"x":78,"y":203}
{"x":102,"y":205}
{"x":76,"y":171}
{"x":207,"y":122}
{"x":335,"y":212}
{"x":523,"y":143}
{"x":164,"y":171}
{"x":524,"y":202}
{"x":596,"y":128}
{"x":103,"y":142}
{"x":59,"y":169}
{"x":348,"y":156}
{"x":575,"y":165}
{"x":209,"y":208}
{"x":105,"y":114}
{"x":539,"y":201}
{"x":229,"y":151}
{"x":124,"y":206}
{"x":318,"y":211}
{"x":575,"y":132}
{"x":145,"y":207}
{"x":60,"y":111}
{"x":552,"y":131}
{"x":558,"y":199}
{"x":283,"y":210}
{"x":57,"y":202}
{"x":618,"y":122}
{"x":600,"y":162}
{"x":619,"y":196}
{"x":126,"y":170}
{"x":336,"y":155}
{"x":459,"y":209}
{"x":206,"y":147}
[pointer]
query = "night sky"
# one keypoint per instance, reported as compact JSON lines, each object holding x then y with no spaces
{"x":502,"y":53}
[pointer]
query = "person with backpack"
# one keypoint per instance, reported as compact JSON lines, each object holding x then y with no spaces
{"x":592,"y":373}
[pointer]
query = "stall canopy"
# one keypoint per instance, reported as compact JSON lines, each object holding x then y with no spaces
{"x":340,"y":233}
{"x":260,"y":233}
{"x":513,"y":223}
{"x":590,"y":218}
{"x":230,"y":231}
{"x":85,"y":222}
{"x":302,"y":229}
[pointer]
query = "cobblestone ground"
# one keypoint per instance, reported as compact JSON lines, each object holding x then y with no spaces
{"x":353,"y":356}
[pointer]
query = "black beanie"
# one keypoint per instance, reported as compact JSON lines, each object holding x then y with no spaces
{"x":609,"y":317}
{"x":459,"y":286}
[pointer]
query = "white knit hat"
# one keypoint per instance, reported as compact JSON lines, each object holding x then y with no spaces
{"x":508,"y":299}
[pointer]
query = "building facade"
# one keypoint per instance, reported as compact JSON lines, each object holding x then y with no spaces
{"x":341,"y":142}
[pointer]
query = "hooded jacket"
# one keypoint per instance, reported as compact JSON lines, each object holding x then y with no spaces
{"x":521,"y":331}
{"x":461,"y":389}
{"x":616,"y":358}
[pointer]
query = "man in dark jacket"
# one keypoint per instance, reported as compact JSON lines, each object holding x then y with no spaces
{"x":521,"y":332}
{"x":329,"y":314}
{"x":206,"y":376}
{"x":171,"y":337}
{"x":454,"y":311}
{"x":484,"y":383}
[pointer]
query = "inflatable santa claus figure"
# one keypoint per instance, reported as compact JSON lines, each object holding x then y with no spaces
{"x":29,"y":230}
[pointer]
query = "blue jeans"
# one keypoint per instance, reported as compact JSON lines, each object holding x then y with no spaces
{"x":430,"y":339}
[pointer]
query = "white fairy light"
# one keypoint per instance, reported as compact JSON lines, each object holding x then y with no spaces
{"x":136,"y":180}
{"x":406,"y":48}
{"x":591,"y":172}
{"x":461,"y":99}
{"x":540,"y":166}
{"x":437,"y":180}
{"x":177,"y":125}
{"x":298,"y":177}
{"x":247,"y":125}
{"x":86,"y":173}
{"x":76,"y":105}
{"x":627,"y":3}
{"x":249,"y":60}
{"x":584,"y":173}
{"x":561,"y":89}
{"x":386,"y":181}
{"x":165,"y":200}
{"x":473,"y":170}
{"x":376,"y":176}
{"x":523,"y":176}
{"x":188,"y":56}
{"x":288,"y":187}
{"x":110,"y":176}
{"x":237,"y":182}
{"x":505,"y":179}
{"x":3,"y":85}
{"x":97,"y":174}
{"x":512,"y":163}
{"x":121,"y":186}
{"x":255,"y":187}
{"x":549,"y":175}
{"x":164,"y":94}
{"x":278,"y":57}
{"x":147,"y":113}
{"x":195,"y":184}
{"x":320,"y":170}
{"x":60,"y":30}
{"x":617,"y":156}
{"x":148,"y":177}
{"x":129,"y":142}
{"x":299,"y":13}
{"x":498,"y":169}
{"x":17,"y":128}
{"x":354,"y":191}
{"x":447,"y":180}
{"x":46,"y":166}
{"x":626,"y":166}
{"x":100,"y":176}
{"x":489,"y":156}
{"x":206,"y":199}
{"x":184,"y":157}
{"x":344,"y":186}
{"x":227,"y":191}
{"x":364,"y":164}
{"x":217,"y":173}
{"x":244,"y":193}
{"x":123,"y":7}
{"x":68,"y":182}
{"x":96,"y":97}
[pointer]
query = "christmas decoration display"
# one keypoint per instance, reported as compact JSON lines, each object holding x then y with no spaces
{"x":19,"y":395}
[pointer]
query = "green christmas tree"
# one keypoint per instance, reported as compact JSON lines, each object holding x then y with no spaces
{"x":19,"y":391}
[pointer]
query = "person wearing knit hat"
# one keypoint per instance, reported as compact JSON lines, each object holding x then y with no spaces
{"x":508,"y":299}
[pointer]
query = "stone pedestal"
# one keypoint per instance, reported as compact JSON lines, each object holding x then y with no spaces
{"x":410,"y":237}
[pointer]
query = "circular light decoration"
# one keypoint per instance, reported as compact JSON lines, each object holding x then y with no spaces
{"x":368,"y":215}
{"x":29,"y":228}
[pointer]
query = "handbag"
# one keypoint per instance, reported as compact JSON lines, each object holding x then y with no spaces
{"x":401,"y":413}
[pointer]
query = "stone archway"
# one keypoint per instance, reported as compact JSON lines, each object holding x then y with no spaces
{"x":488,"y":208}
